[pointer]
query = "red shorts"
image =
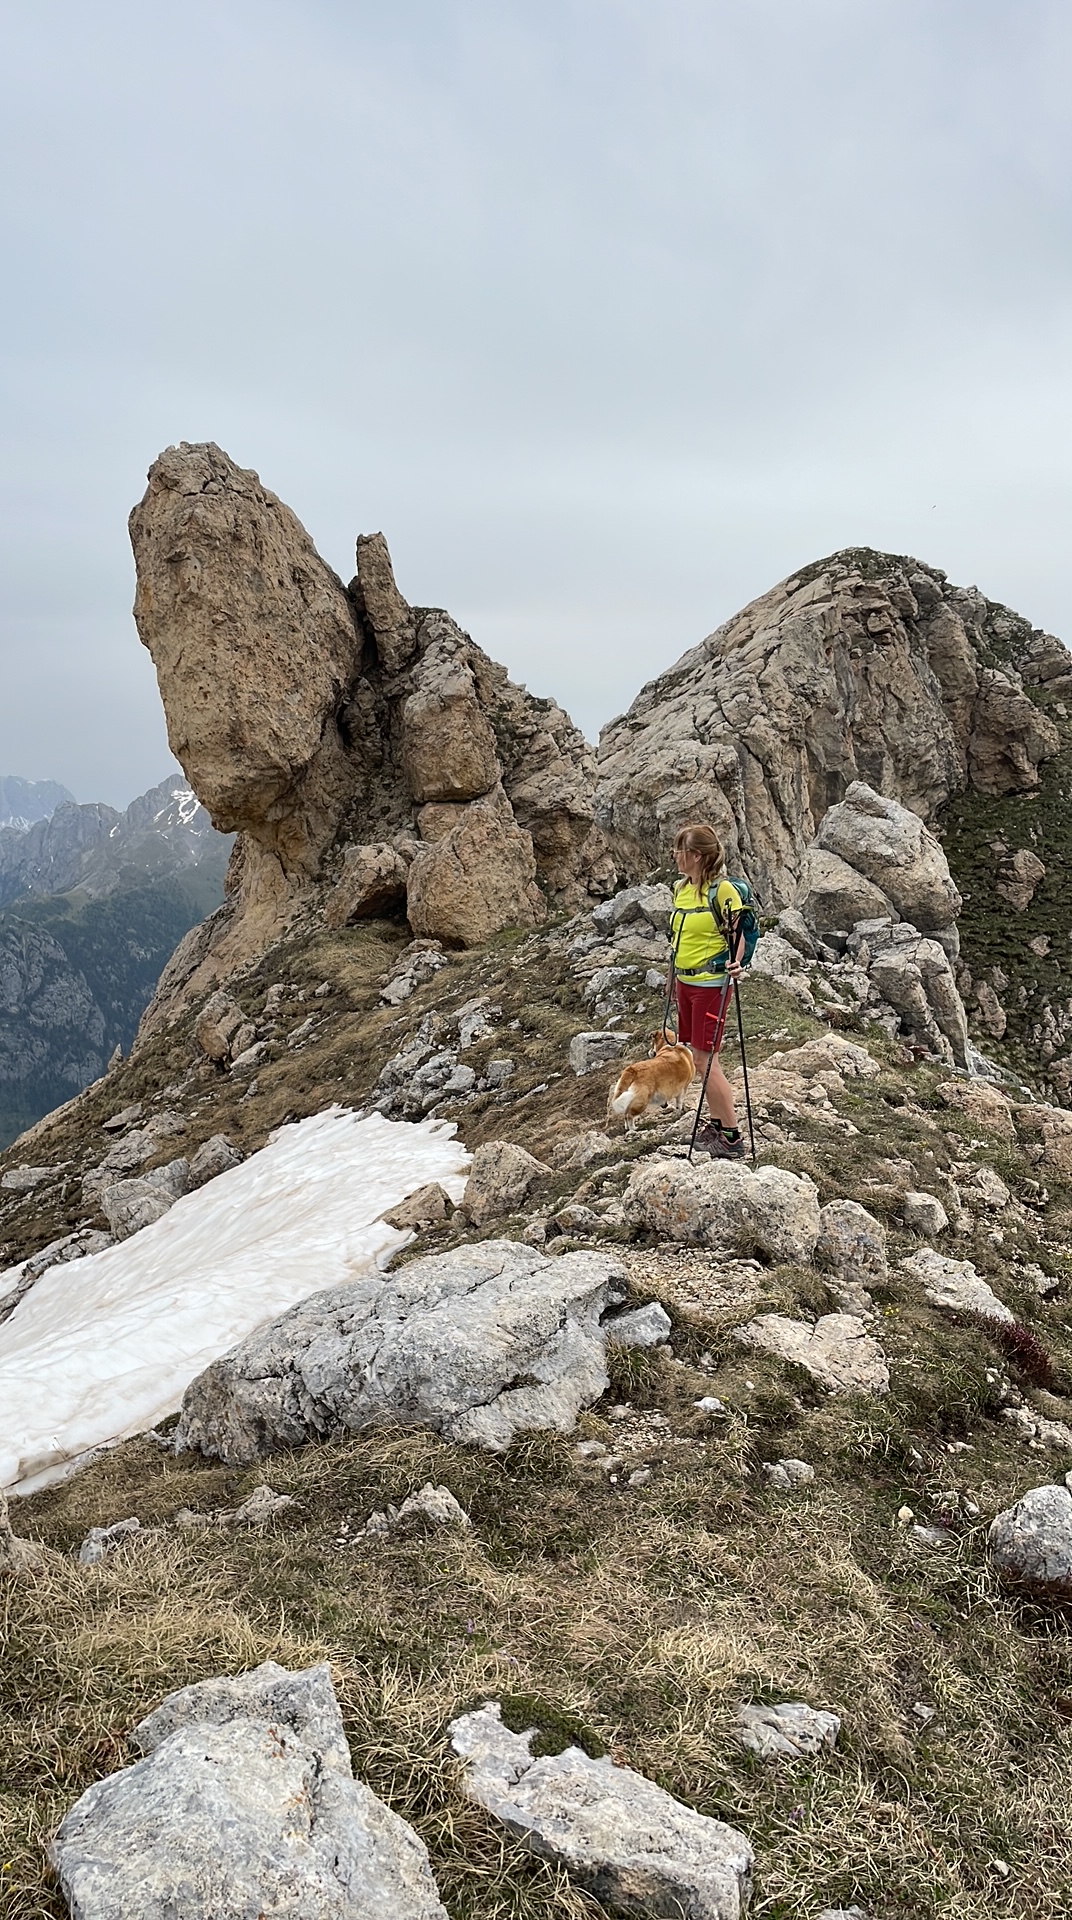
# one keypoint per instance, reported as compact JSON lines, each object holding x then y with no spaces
{"x":699,"y":1015}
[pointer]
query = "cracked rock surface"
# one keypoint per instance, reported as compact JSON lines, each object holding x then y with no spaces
{"x":244,"y":1806}
{"x":616,"y":1833}
{"x":479,"y":1343}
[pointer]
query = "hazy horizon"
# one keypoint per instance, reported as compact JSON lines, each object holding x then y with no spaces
{"x":608,"y":318}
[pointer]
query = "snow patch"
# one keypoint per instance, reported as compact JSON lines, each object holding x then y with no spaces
{"x":103,"y":1347}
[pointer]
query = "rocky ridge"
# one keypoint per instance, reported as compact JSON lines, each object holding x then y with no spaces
{"x":864,"y":667}
{"x":366,"y":752}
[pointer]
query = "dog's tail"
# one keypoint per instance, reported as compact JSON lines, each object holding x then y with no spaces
{"x":620,"y":1097}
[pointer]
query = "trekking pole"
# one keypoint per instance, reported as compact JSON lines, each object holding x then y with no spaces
{"x":744,"y":1069}
{"x":716,"y":1042}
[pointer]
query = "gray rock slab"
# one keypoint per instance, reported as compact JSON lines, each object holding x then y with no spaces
{"x":640,"y":1327}
{"x":129,"y":1205}
{"x":436,"y":1506}
{"x":244,"y":1807}
{"x":617,"y":1834}
{"x":790,"y":1731}
{"x":837,"y":1351}
{"x":1031,"y":1543}
{"x":428,"y":1207}
{"x":479,"y":1344}
{"x":721,"y":1203}
{"x":25,"y":1179}
{"x":851,"y":1248}
{"x":924,"y":1213}
{"x":499,"y":1180}
{"x":955,"y":1284}
{"x":215,"y":1156}
{"x":653,"y":904}
{"x":786,"y":1474}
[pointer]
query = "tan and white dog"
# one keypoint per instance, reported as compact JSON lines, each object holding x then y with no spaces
{"x":661,"y":1081}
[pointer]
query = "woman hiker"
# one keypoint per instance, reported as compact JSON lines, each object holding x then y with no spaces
{"x":705,"y":970}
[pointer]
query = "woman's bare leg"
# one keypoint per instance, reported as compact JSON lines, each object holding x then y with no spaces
{"x":719,"y":1095}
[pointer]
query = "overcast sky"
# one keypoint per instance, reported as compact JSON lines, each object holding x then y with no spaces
{"x":609,"y":314}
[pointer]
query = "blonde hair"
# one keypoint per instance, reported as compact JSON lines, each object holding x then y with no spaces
{"x":702,"y":839}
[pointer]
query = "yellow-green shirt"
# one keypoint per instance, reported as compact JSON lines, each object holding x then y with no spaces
{"x":697,"y":937}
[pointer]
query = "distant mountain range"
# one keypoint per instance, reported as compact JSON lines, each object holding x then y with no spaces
{"x":24,"y":801}
{"x":92,"y":904}
{"x":97,"y":850}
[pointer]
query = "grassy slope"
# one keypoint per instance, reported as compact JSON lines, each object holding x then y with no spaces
{"x":635,"y":1618}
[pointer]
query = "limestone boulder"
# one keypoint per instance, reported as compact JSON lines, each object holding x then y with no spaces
{"x":389,"y":622}
{"x":244,"y":1804}
{"x":313,"y":718}
{"x":1010,"y":736}
{"x":255,"y":646}
{"x":722,"y":1203}
{"x":618,"y":1835}
{"x":430,"y":1206}
{"x":216,"y":1025}
{"x":837,"y":1350}
{"x":984,"y":1105}
{"x":915,"y":978}
{"x":500,"y":1179}
{"x":477,"y":879}
{"x":1031,"y":1543}
{"x":924,"y":1213}
{"x":598,"y":1048}
{"x":448,"y":747}
{"x":647,"y":905}
{"x":892,"y":848}
{"x":833,"y":895}
{"x":830,"y":1056}
{"x":955,"y":1284}
{"x":789,"y":1731}
{"x":478,"y":1344}
{"x":130,"y":1205}
{"x":646,"y":1326}
{"x":851,"y":1250}
{"x":372,"y":882}
{"x":215,"y":1156}
{"x":1053,"y":1127}
{"x":1018,"y":879}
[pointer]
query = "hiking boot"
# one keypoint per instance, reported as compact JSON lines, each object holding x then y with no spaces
{"x":711,"y":1139}
{"x":725,"y":1148}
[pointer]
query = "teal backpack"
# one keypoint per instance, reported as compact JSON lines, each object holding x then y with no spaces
{"x":747,"y":919}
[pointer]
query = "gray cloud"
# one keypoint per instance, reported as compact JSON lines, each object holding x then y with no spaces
{"x":608,"y":315}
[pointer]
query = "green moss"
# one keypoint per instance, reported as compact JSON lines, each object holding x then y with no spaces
{"x":556,"y":1728}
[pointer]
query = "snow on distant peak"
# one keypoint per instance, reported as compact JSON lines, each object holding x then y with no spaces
{"x":103,"y":1347}
{"x":182,"y":803}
